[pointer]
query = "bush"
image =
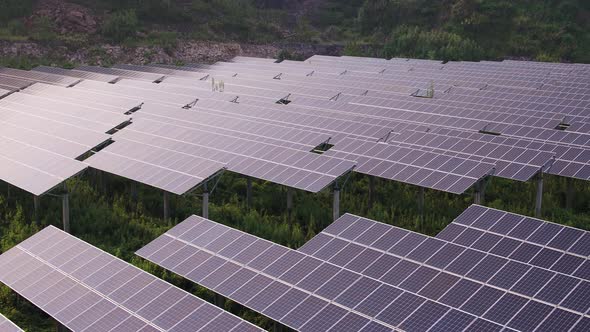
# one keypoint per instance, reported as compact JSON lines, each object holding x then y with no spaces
{"x":121,"y":25}
{"x":164,"y":11}
{"x":288,"y":55}
{"x":43,"y":29}
{"x":16,"y":27}
{"x":10,"y":9}
{"x":412,"y":42}
{"x":166,"y":39}
{"x":353,"y":48}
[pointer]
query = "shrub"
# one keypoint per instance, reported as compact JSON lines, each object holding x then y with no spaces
{"x":288,"y":55}
{"x":413,"y":42}
{"x":120,"y":25}
{"x":43,"y":29}
{"x":10,"y":9}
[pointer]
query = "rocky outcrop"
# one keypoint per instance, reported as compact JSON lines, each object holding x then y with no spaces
{"x":66,"y":16}
{"x":184,"y":52}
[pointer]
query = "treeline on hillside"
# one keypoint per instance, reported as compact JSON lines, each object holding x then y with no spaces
{"x":106,"y":215}
{"x":549,"y":30}
{"x":546,"y":30}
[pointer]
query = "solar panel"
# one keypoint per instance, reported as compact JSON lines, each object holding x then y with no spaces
{"x":35,"y":170}
{"x":250,"y":271}
{"x":122,"y":73}
{"x":570,"y":161}
{"x":4,"y":92}
{"x":86,"y":289}
{"x":371,"y":101}
{"x":266,"y":87}
{"x":84,"y":98}
{"x":561,"y":249}
{"x":100,"y":119}
{"x":174,"y":172}
{"x":454,"y":268}
{"x":68,"y":141}
{"x":155,"y":95}
{"x":8,"y":326}
{"x":163,"y":71}
{"x":425,"y":169}
{"x":512,"y":162}
{"x":12,"y":83}
{"x":253,"y":129}
{"x":77,"y":74}
{"x":318,"y":286}
{"x":38,"y":77}
{"x":352,"y":87}
{"x":278,"y":164}
{"x":228,"y":89}
{"x":556,"y":103}
{"x":409,"y":72}
{"x":335,"y":125}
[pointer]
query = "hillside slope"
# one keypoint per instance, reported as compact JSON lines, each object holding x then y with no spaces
{"x":548,"y":30}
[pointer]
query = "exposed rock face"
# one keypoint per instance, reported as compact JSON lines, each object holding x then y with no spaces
{"x":185,"y":52}
{"x":78,"y":21}
{"x":68,"y":17}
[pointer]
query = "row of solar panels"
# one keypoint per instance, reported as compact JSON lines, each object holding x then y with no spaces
{"x":577,"y":165}
{"x":489,"y":270}
{"x":87,"y":289}
{"x":450,"y":164}
{"x":8,"y":326}
{"x":133,"y":155}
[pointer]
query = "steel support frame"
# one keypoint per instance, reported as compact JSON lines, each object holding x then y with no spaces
{"x":205,"y":199}
{"x":166,"y":198}
{"x":336,"y":202}
{"x":539,"y":196}
{"x":249,"y":192}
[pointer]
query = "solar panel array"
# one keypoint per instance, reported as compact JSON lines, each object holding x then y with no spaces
{"x":263,"y":276}
{"x":44,"y":134}
{"x":86,"y":289}
{"x":276,"y":163}
{"x":504,"y":119}
{"x":8,"y":326}
{"x":368,"y":88}
{"x":77,"y":74}
{"x":478,"y":280}
{"x":487,"y":271}
{"x":37,"y":77}
{"x":425,"y":169}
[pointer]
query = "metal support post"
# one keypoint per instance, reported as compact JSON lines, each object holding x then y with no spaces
{"x":277,"y":327}
{"x":249,"y":192}
{"x":61,"y":328}
{"x":289,"y":201}
{"x":371,"y":191}
{"x":477,"y":193}
{"x":336,"y":204}
{"x":205,"y":201}
{"x":37,"y":206}
{"x":569,"y":194}
{"x":133,"y":189}
{"x":421,"y":204}
{"x":219,"y":301}
{"x":539,"y":199}
{"x":482,"y":189}
{"x":66,"y":211}
{"x":166,"y":206}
